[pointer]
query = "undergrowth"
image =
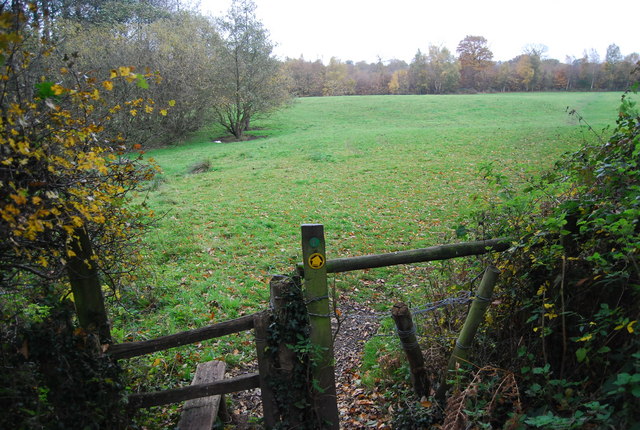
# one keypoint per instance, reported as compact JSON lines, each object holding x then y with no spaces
{"x":565,"y":350}
{"x":54,"y":376}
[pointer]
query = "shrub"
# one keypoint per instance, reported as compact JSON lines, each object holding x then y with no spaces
{"x":51,"y":377}
{"x":182,"y":49}
{"x":567,"y":323}
{"x":65,"y":190}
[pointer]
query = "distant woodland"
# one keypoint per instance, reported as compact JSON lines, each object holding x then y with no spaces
{"x":470,"y":69}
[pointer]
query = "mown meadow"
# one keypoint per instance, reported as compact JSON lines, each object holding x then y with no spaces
{"x":382,"y":173}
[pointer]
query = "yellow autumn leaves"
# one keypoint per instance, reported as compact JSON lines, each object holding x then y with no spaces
{"x":65,"y":174}
{"x":123,"y":71}
{"x":625,"y":324}
{"x":628,"y":326}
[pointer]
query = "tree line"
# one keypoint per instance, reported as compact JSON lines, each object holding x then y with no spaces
{"x":440,"y":71}
{"x":223,"y":70}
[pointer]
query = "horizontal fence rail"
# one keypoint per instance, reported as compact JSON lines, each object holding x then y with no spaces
{"x":315,"y":264}
{"x":433,"y":253}
{"x":225,"y":386}
{"x":133,"y":349}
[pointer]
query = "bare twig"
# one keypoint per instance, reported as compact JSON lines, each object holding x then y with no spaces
{"x":562,"y":314}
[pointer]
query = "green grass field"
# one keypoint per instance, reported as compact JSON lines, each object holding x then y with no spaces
{"x":382,"y":173}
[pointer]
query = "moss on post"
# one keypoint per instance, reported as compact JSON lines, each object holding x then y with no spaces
{"x":317,"y":297}
{"x":407,"y":334}
{"x":471,"y":324}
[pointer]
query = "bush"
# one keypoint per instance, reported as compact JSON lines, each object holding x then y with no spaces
{"x":182,"y":50}
{"x":51,"y":377}
{"x":65,"y":215}
{"x":567,"y":323}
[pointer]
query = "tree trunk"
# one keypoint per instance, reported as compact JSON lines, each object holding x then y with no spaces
{"x":85,"y":285}
{"x":246,"y":121}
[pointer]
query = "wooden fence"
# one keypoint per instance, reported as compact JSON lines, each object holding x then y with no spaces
{"x":240,"y":383}
{"x":313,"y":270}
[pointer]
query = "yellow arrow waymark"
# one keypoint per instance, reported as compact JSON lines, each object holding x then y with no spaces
{"x":316,"y":261}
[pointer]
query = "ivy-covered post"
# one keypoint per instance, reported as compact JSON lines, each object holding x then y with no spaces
{"x":316,"y":294}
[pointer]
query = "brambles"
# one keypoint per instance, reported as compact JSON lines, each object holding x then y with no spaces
{"x":56,"y":380}
{"x":491,"y":398}
{"x":566,"y":325}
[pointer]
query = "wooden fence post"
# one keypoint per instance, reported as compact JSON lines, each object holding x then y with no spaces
{"x":317,"y":297}
{"x":265,"y":368}
{"x":281,"y":290}
{"x":471,"y":324}
{"x":280,"y":286}
{"x":474,"y":318}
{"x":407,"y":334}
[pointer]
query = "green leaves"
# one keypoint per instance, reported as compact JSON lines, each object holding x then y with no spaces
{"x":141,"y":82}
{"x":44,"y":90}
{"x":573,"y":281}
{"x":581,"y":354}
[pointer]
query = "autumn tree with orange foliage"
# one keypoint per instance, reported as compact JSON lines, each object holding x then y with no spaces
{"x":475,"y":59}
{"x":62,"y":177}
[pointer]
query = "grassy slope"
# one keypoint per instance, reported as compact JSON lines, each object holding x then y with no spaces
{"x":382,"y":173}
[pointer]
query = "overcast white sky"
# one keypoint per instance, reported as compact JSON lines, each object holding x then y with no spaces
{"x":365,"y":29}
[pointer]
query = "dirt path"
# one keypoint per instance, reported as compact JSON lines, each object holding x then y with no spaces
{"x":359,"y":408}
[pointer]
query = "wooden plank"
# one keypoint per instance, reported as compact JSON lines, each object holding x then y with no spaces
{"x":157,"y":398}
{"x":433,"y":253}
{"x":316,"y":294}
{"x":133,"y":349}
{"x":200,"y":413}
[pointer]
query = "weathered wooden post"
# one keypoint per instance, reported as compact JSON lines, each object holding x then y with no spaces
{"x":407,"y":334}
{"x":474,"y":318}
{"x":280,"y":286}
{"x":265,"y":368}
{"x":471,"y":324}
{"x":316,"y":294}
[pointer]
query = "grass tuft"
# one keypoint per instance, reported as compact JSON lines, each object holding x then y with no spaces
{"x":200,"y":167}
